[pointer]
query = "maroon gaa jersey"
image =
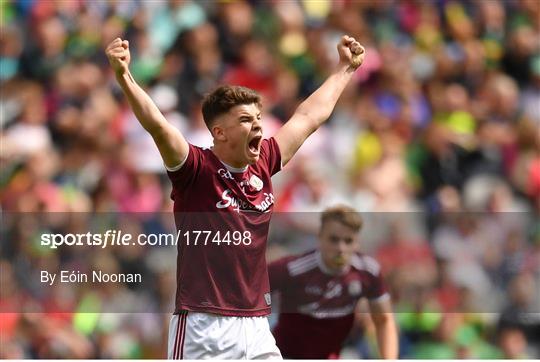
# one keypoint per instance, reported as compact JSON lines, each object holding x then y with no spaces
{"x":316,"y":307}
{"x":222,"y":217}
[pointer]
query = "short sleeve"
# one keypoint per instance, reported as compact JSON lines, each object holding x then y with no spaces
{"x":271,"y":155}
{"x":187,"y":173}
{"x":378,"y":289}
{"x":376,"y":286}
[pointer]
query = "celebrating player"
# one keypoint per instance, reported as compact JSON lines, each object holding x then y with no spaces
{"x":319,"y":292}
{"x":223,"y":290}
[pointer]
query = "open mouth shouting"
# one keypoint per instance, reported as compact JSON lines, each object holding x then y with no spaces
{"x":254,"y":146}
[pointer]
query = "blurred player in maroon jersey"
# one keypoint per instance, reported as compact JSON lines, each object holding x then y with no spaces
{"x":223,"y":292}
{"x":319,"y":292}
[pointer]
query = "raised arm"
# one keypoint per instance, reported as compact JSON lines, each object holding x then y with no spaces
{"x":170,"y":142}
{"x":316,"y":109}
{"x":385,"y":328}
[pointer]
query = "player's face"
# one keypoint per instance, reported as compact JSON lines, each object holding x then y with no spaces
{"x":242,"y":132}
{"x":337,"y":243}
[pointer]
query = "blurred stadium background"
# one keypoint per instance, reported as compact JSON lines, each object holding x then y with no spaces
{"x":436,"y":141}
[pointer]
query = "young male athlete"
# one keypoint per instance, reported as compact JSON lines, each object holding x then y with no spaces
{"x":319,"y":292}
{"x":222,"y":202}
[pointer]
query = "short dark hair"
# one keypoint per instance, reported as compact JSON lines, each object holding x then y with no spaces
{"x":225,"y":97}
{"x":343,"y":214}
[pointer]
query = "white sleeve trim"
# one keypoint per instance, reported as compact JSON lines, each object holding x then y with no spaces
{"x":177,"y":167}
{"x":382,"y":298}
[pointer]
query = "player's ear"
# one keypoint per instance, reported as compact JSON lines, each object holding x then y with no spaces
{"x":218,"y":133}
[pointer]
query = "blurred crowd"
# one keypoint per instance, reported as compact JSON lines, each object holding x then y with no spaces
{"x":436,"y":140}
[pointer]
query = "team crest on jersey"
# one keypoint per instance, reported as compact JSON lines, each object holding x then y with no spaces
{"x":355,"y":288}
{"x":256,"y":182}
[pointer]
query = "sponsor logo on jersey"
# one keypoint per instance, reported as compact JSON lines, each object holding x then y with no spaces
{"x":226,"y":174}
{"x":309,"y":308}
{"x":314,"y":310}
{"x":266,"y":203}
{"x":228,"y":199}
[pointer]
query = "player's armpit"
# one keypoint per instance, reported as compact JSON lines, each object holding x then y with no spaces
{"x":172,"y":146}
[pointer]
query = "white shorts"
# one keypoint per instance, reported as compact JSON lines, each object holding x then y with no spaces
{"x":195,"y":335}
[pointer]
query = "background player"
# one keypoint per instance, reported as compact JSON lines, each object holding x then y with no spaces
{"x":319,"y":292}
{"x":223,"y":292}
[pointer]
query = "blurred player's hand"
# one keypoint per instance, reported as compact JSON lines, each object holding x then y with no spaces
{"x":351,"y":53}
{"x":118,"y":54}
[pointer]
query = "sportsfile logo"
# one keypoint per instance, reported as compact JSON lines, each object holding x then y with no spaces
{"x":228,"y":199}
{"x":108,"y":238}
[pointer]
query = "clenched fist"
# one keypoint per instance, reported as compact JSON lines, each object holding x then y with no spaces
{"x":351,"y":53}
{"x":118,"y":55}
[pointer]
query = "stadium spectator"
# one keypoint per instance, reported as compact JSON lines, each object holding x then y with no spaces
{"x":453,"y":84}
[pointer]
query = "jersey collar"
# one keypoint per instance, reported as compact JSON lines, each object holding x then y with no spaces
{"x":228,"y":167}
{"x":328,"y":271}
{"x":235,"y":169}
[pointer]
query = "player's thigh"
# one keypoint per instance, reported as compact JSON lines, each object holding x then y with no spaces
{"x":177,"y":328}
{"x":206,"y":336}
{"x":261,"y":342}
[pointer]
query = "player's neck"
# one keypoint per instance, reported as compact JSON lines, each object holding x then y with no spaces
{"x":225,"y":156}
{"x":336,"y":271}
{"x":329,"y":270}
